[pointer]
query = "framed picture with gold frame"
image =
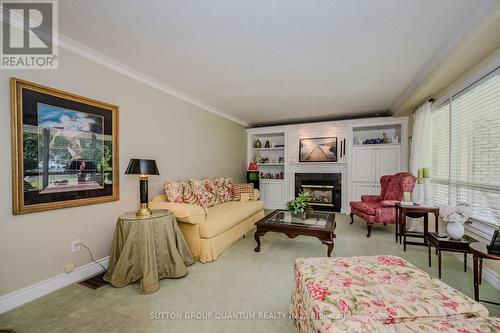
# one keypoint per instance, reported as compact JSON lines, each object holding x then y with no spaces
{"x":64,"y":149}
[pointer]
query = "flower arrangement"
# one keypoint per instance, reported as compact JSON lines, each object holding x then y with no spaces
{"x":300,"y":204}
{"x":456,"y":214}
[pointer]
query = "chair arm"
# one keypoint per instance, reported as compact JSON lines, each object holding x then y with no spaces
{"x":370,"y":198}
{"x":183,"y":212}
{"x":388,"y":203}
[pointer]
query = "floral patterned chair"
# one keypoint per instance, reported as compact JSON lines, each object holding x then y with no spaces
{"x":380,"y":208}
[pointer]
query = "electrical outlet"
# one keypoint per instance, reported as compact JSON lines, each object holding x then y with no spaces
{"x":68,"y":268}
{"x":75,"y":246}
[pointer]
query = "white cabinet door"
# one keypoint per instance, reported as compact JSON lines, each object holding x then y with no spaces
{"x":364,"y":164}
{"x":359,"y":189}
{"x":273,"y":194}
{"x":263,"y":191}
{"x":389,"y":160}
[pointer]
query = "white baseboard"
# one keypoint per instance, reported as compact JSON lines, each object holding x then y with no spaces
{"x":488,"y":275}
{"x":492,"y":277}
{"x":42,"y":288}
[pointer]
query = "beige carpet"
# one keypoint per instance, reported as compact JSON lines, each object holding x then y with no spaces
{"x":241,"y":283}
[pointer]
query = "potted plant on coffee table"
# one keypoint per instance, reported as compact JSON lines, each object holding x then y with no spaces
{"x":299,"y":206}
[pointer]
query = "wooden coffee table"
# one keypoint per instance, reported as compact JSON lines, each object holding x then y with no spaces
{"x":317,"y":224}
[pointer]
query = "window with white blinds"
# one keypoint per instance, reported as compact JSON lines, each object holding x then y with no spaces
{"x":466,"y":150}
{"x":440,"y":176}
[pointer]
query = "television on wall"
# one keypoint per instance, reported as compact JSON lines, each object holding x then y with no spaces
{"x":318,"y":149}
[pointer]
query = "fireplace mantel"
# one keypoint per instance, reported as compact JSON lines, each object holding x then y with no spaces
{"x":319,"y":167}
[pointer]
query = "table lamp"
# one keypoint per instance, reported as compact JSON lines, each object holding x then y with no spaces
{"x":143,"y":168}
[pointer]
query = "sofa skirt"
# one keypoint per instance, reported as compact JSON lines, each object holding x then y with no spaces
{"x":208,"y":249}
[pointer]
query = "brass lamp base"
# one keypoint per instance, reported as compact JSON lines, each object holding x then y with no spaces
{"x":144,"y":211}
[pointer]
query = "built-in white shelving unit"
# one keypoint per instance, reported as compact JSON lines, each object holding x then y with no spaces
{"x":272,"y":170}
{"x":360,"y":165}
{"x":369,"y":162}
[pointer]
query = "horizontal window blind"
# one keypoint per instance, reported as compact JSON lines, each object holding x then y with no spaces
{"x":440,"y":137}
{"x":475,"y":149}
{"x":465,"y":133}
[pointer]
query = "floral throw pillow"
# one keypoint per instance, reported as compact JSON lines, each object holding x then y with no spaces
{"x":243,"y":192}
{"x":223,"y":190}
{"x":174,"y":191}
{"x":203,"y":191}
{"x":189,"y":197}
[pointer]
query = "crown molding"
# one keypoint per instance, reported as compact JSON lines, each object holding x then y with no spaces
{"x":99,"y":58}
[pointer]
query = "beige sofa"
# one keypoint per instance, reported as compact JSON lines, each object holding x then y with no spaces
{"x":211,"y":233}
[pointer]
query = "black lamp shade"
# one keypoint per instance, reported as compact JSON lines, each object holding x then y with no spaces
{"x":142,"y":167}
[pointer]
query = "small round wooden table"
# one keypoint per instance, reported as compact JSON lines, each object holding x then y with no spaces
{"x":480,"y":252}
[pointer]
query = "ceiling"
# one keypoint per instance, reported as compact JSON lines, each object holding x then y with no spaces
{"x":268,"y":61}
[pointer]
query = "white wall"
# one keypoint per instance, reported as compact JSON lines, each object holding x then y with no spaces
{"x":185,"y":140}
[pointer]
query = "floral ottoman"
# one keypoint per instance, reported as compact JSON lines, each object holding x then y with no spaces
{"x":366,"y":293}
{"x":464,"y":325}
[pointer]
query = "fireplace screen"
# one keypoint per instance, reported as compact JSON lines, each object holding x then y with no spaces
{"x":325,"y":190}
{"x":320,"y":195}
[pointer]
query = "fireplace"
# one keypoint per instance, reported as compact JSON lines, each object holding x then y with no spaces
{"x":324,"y":188}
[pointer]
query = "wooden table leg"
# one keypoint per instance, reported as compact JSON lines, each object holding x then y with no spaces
{"x":480,"y":270}
{"x":404,"y":232}
{"x":439,"y":263}
{"x":429,"y":248}
{"x":397,"y":222}
{"x":436,"y":227}
{"x":476,"y":277}
{"x":400,"y":226}
{"x":329,"y":244}
{"x":426,"y":227}
{"x":256,"y":236}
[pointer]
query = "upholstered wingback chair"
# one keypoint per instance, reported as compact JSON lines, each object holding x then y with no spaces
{"x":380,"y":208}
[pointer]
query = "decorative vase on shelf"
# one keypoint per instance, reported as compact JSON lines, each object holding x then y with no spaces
{"x":385,"y":137}
{"x":455,"y":230}
{"x":257,"y":144}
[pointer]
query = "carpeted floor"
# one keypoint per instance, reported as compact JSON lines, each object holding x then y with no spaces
{"x":240,"y":283}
